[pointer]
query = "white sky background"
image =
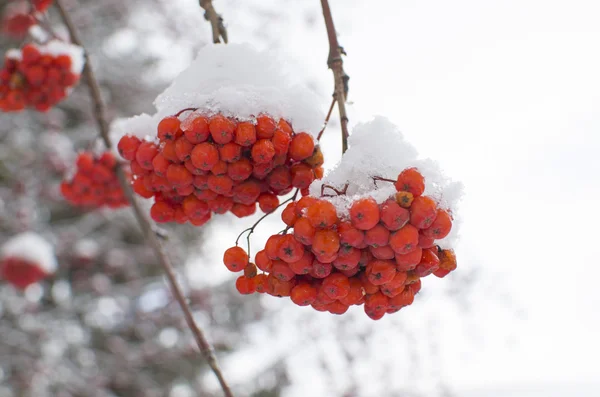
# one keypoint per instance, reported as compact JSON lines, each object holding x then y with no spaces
{"x":506,"y":96}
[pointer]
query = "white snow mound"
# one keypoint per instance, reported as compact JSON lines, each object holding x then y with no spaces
{"x":238,"y":81}
{"x":33,"y":248}
{"x":378,"y":148}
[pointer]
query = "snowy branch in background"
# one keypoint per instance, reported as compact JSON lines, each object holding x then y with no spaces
{"x":336,"y":64}
{"x":143,"y":220}
{"x":216,"y":21}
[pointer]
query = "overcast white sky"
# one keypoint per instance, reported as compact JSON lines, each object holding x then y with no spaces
{"x":506,"y":96}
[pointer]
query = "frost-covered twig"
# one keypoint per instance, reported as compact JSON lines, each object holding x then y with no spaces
{"x":145,"y":223}
{"x":216,"y":21}
{"x":336,"y":64}
{"x":327,"y":118}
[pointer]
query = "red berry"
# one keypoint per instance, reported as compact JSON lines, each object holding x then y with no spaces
{"x":245,"y":285}
{"x":423,"y":212}
{"x":440,"y":227}
{"x":411,"y":180}
{"x":364,"y":214}
{"x":221,"y":129}
{"x":168,"y":129}
{"x":302,"y":146}
{"x":405,"y":240}
{"x":303,"y":294}
{"x":235,"y":259}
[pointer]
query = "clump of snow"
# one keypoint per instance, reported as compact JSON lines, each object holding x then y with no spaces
{"x":33,"y":248}
{"x":378,"y":148}
{"x":143,"y":126}
{"x":13,"y":54}
{"x":235,"y":80}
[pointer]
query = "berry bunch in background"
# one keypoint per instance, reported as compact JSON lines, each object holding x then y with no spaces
{"x":95,"y":182}
{"x":26,"y":259}
{"x":376,"y":257}
{"x":19,"y":15}
{"x":205,"y":164}
{"x":39,"y":76}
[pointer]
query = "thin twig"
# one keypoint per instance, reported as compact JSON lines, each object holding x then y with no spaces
{"x":145,"y":223}
{"x":216,"y":21}
{"x":327,"y":118}
{"x":336,"y":64}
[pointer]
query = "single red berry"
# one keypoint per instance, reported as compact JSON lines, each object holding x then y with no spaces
{"x":288,"y":216}
{"x":268,"y":202}
{"x":376,"y":305}
{"x":380,"y":272}
{"x":406,"y":262}
{"x":195,"y":128}
{"x":405,"y":240}
{"x":205,"y":156}
{"x":265,"y":127}
{"x":322,"y":214}
{"x":364,"y":213}
{"x":377,"y":236}
{"x":440,"y":227}
{"x":128,"y":146}
{"x":423,"y":212}
{"x":221,"y":129}
{"x":263,"y":151}
{"x":302,"y":146}
{"x":411,"y":180}
{"x":303,"y":294}
{"x":245,"y":285}
{"x":245,"y":134}
{"x":429,"y":263}
{"x":168,"y":129}
{"x":393,"y":216}
{"x":235,"y":259}
{"x":290,"y":250}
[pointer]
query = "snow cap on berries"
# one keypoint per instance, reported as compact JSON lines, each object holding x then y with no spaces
{"x":244,"y":82}
{"x":378,"y":149}
{"x":32,"y":248}
{"x":234,"y":80}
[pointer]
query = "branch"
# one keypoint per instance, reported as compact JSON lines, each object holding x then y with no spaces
{"x":216,"y":21}
{"x":336,"y":64}
{"x":145,"y":223}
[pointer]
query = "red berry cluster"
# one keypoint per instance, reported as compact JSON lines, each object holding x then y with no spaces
{"x":204,"y":165}
{"x":95,"y":183}
{"x":20,"y":272}
{"x":377,"y":257}
{"x":35,"y":80}
{"x":20,"y":15}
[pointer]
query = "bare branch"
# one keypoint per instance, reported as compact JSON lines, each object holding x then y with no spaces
{"x":216,"y":21}
{"x":327,"y":118}
{"x":145,"y":223}
{"x":336,"y":64}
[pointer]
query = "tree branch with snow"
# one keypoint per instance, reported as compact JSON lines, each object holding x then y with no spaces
{"x":144,"y":222}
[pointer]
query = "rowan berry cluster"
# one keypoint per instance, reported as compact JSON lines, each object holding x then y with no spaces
{"x":95,"y":183}
{"x":26,"y":259}
{"x":376,"y":257}
{"x":19,"y":15}
{"x":33,"y":78}
{"x":20,"y":272}
{"x":215,"y":164}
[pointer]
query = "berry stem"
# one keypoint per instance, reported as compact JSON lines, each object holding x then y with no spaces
{"x":338,"y":192}
{"x":250,"y":230}
{"x":378,"y":178}
{"x":336,"y":64}
{"x":334,"y":100}
{"x":216,"y":21}
{"x":145,"y":223}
